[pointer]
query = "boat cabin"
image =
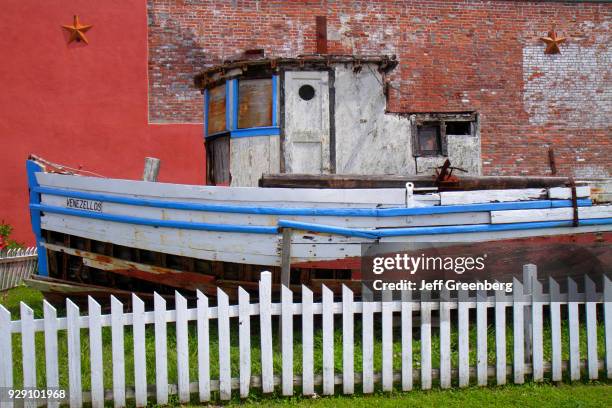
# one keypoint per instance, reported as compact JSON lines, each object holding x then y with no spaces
{"x":322,"y":114}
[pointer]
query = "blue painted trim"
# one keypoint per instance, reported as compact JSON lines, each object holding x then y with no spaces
{"x":32,"y":168}
{"x":451,"y":229}
{"x":228,"y":102}
{"x":126,"y":219}
{"x":258,"y":131}
{"x":206,"y":102}
{"x":274,"y":100}
{"x":235,"y":96}
{"x":339,"y":212}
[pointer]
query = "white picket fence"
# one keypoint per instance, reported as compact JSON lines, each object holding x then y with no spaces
{"x":16,"y":265}
{"x":527,"y":303}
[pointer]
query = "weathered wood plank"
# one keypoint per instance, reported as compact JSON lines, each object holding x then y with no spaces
{"x":203,"y":325}
{"x":445,"y":340}
{"x":591,"y":327}
{"x":95,"y":353}
{"x":387,"y":341}
{"x":225,"y":368}
{"x":406,"y":319}
{"x":307,"y":342}
{"x":487,"y":196}
{"x":244,"y":340}
{"x":28,"y":352}
{"x":463,"y":327}
{"x":118,"y":352}
{"x":551,"y":214}
{"x":161,"y":350}
{"x":348,"y":332}
{"x":607,"y":285}
{"x":265,"y":324}
{"x":500,"y":338}
{"x":74,"y":354}
{"x":140,"y":358}
{"x":51,"y":356}
{"x":481,"y":338}
{"x":287,"y":340}
{"x":367,"y":341}
{"x":574,"y":330}
{"x":6,"y":350}
{"x":328,"y":341}
{"x":555,"y":329}
{"x":537,"y":327}
{"x":182,"y":347}
{"x":425,"y":342}
{"x":518,"y":330}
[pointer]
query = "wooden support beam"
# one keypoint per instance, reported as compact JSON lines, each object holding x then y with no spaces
{"x":286,"y":257}
{"x":151,"y":169}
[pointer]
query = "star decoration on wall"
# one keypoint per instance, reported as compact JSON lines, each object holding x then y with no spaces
{"x":552,"y":42}
{"x":77,"y":31}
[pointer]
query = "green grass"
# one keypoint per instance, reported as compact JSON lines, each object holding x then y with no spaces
{"x":11,"y":300}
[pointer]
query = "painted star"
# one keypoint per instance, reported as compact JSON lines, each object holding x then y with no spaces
{"x":77,"y":31}
{"x":552,"y":42}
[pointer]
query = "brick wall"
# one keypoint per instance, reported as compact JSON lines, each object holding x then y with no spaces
{"x":482,"y":56}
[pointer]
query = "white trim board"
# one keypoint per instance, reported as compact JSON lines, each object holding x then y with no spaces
{"x":551,"y":214}
{"x":527,"y":194}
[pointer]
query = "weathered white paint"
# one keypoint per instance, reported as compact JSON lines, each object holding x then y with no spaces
{"x":555,"y":329}
{"x":95,"y":353}
{"x":74,"y":354}
{"x":328,"y":341}
{"x":249,"y":196}
{"x":545,"y":75}
{"x":140,"y":360}
{"x":29,"y":352}
{"x":307,"y":342}
{"x":244,"y":341}
{"x":265,"y":324}
{"x":348,"y":359}
{"x":118,"y":352}
{"x":368,"y":140}
{"x":182,"y":347}
{"x":161,"y":350}
{"x":203,"y":347}
{"x":551,"y":214}
{"x":387,"y":341}
{"x":307,"y":143}
{"x":51,"y":357}
{"x":490,"y":196}
{"x":250,"y":157}
{"x":225,"y":369}
{"x":287,"y":340}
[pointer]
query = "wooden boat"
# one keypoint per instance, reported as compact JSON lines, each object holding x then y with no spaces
{"x":143,"y":236}
{"x":305,"y":164}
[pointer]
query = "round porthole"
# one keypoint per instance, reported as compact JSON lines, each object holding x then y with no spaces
{"x":306,"y":92}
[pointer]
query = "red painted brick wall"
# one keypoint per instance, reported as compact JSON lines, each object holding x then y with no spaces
{"x":482,"y":56}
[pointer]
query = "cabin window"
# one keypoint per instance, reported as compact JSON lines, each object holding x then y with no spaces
{"x":430,"y":131}
{"x":254,"y":103}
{"x":216,"y":110}
{"x":459,"y":128}
{"x":217,"y":160}
{"x":429,"y":139}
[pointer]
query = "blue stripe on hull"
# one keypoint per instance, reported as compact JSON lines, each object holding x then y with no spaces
{"x":339,"y":212}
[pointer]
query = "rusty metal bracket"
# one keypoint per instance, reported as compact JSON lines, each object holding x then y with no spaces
{"x":444,"y":173}
{"x":572,"y":184}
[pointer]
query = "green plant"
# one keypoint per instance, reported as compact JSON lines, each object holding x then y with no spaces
{"x":5,"y":241}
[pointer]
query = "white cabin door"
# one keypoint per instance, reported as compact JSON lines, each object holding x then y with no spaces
{"x":306,"y":143}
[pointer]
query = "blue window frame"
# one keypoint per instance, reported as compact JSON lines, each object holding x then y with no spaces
{"x":231,"y":112}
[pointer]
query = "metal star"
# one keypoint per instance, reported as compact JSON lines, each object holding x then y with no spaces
{"x":552,"y":42}
{"x":77,"y":31}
